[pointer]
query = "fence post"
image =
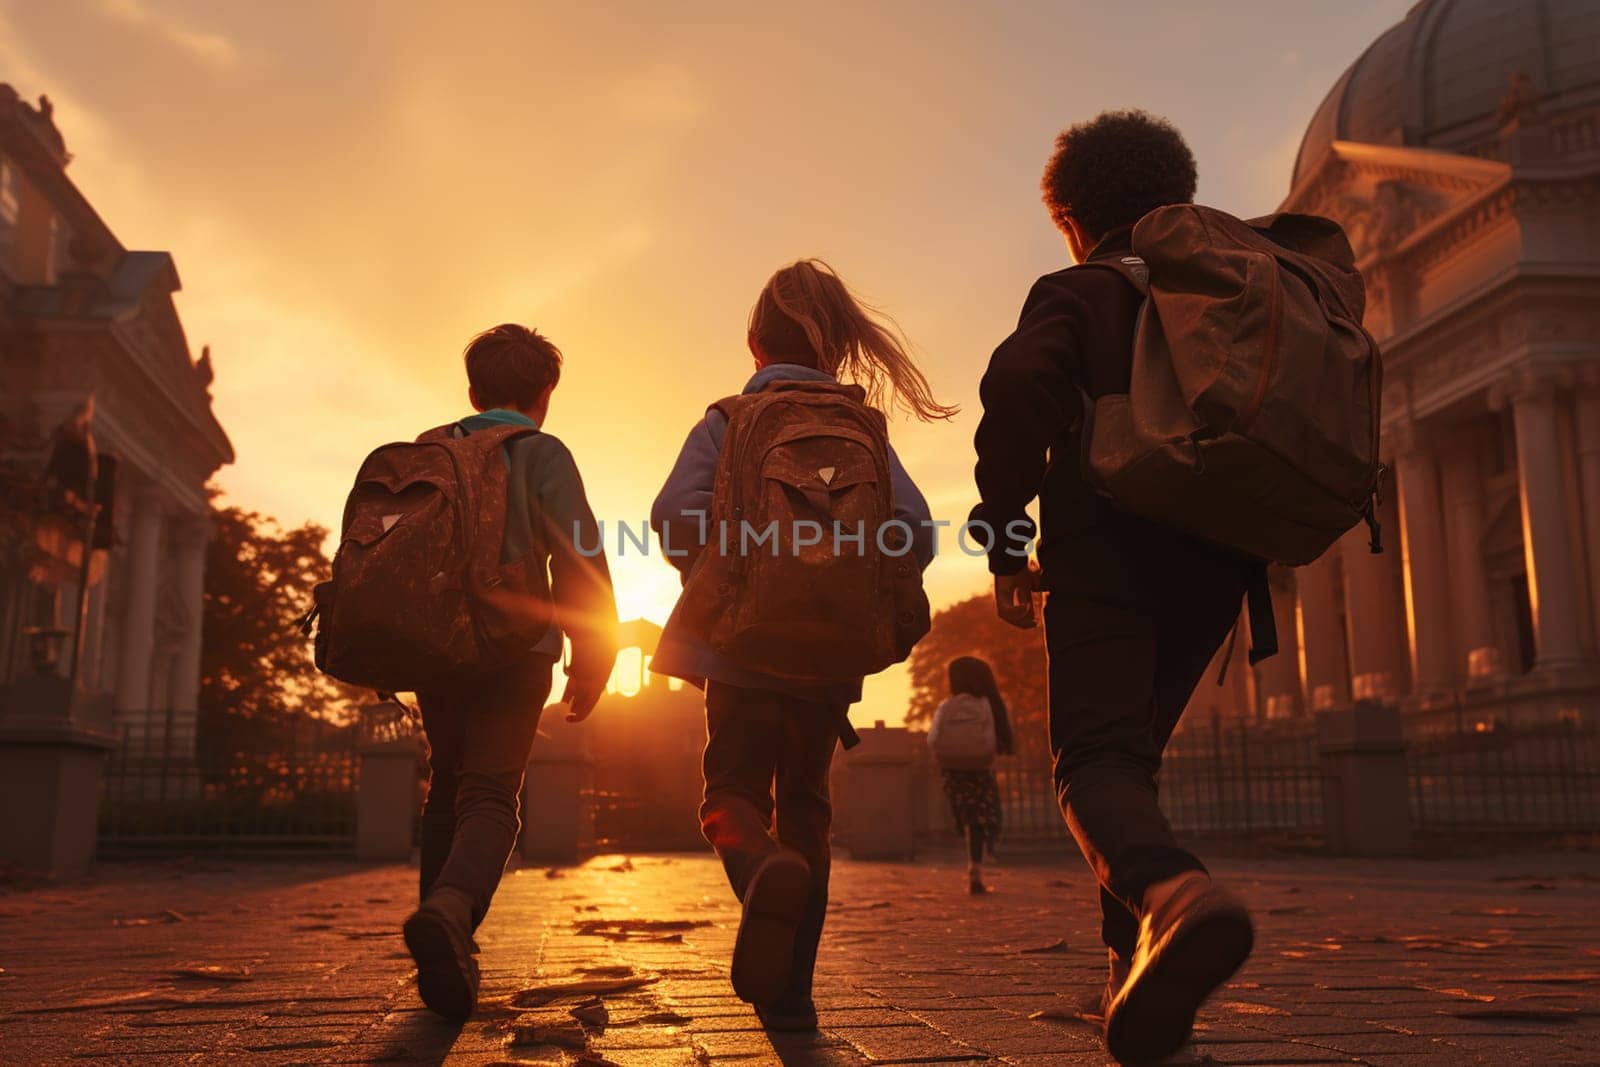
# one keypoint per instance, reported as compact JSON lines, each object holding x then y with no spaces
{"x":555,"y":795}
{"x":1365,"y":788}
{"x":54,"y":738}
{"x":387,"y":799}
{"x":878,"y":795}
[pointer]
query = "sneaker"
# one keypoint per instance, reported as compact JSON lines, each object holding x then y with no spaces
{"x":790,"y":1013}
{"x":439,"y":940}
{"x":1187,"y":948}
{"x":1116,"y":978}
{"x":774,"y":903}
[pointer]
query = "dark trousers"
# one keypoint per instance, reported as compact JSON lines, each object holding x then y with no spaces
{"x":975,"y":844}
{"x":479,"y":736}
{"x":1121,"y":671}
{"x":762,"y":746}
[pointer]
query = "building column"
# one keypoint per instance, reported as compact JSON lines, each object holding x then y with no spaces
{"x":1546,"y":535}
{"x":1588,"y":426}
{"x":143,"y":560}
{"x":1322,"y":649}
{"x":1278,"y":678}
{"x":1374,"y":623}
{"x":1472,"y":607}
{"x":1427,"y":580}
{"x":194,"y":534}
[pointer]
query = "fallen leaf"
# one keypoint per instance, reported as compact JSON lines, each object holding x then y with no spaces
{"x":1063,"y":1015}
{"x":1462,"y":994}
{"x":1059,"y":945}
{"x":656,"y":1018}
{"x":669,"y":931}
{"x":591,"y":1013}
{"x":1245,"y":1007}
{"x":562,"y":1033}
{"x":537,"y":995}
{"x":168,"y":916}
{"x":218,"y":972}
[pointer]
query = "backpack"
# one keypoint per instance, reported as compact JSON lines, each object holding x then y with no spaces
{"x":419,"y":595}
{"x":962,"y":737}
{"x":838,"y":609}
{"x":1252,"y":416}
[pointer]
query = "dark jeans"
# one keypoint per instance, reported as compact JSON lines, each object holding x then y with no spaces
{"x":759,"y":743}
{"x":1121,"y":672}
{"x":479,"y":736}
{"x":975,"y":844}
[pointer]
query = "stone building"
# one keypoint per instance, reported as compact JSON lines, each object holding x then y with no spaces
{"x":86,"y":323}
{"x":1461,"y":152}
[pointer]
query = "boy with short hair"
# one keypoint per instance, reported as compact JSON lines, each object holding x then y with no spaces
{"x":481,"y":730}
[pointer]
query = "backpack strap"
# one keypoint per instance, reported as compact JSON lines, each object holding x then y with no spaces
{"x":1130,"y":268}
{"x":1263,"y":625}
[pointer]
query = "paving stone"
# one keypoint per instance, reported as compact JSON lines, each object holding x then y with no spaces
{"x":1381,"y":963}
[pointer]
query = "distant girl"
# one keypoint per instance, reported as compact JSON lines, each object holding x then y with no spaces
{"x":969,"y":730}
{"x":772,"y":726}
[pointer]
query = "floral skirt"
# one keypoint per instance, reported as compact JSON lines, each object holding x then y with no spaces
{"x":974,"y":801}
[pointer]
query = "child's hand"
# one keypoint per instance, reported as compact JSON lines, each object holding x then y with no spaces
{"x":580,"y":698}
{"x":1013,"y":596}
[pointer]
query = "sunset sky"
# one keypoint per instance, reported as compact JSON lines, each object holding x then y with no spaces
{"x":352,"y":190}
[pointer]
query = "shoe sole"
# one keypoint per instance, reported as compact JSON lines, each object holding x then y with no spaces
{"x":787,"y":1024}
{"x":1156,"y":1013}
{"x":444,"y":977}
{"x":763,"y":953}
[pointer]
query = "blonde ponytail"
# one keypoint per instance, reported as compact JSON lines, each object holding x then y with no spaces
{"x":807,"y":315}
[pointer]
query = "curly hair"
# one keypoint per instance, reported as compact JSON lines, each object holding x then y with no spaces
{"x":1111,"y":170}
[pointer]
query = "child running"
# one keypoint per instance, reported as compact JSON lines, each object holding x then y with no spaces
{"x":802,"y":541}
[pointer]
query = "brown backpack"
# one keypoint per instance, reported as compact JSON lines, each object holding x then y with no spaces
{"x":794,"y":454}
{"x":419,"y":595}
{"x":1252,"y":417}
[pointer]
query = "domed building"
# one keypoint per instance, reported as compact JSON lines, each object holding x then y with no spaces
{"x":1461,"y":152}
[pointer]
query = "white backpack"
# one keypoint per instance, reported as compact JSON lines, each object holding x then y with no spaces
{"x":962,"y":735}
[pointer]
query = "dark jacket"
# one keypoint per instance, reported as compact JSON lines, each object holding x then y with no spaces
{"x":678,"y":518}
{"x":547,"y":513}
{"x":1075,"y":334}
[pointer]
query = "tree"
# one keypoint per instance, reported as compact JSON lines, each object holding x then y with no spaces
{"x":255,"y":664}
{"x":971,"y":628}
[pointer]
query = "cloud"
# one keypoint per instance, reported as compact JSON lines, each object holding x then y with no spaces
{"x":211,"y":49}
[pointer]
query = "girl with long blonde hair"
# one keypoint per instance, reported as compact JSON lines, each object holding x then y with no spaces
{"x":771,"y":738}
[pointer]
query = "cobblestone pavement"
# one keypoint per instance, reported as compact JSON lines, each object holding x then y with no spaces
{"x":623,"y":961}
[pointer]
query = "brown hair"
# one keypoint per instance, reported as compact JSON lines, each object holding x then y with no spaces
{"x":509,"y":366}
{"x":969,"y":674}
{"x":807,"y":315}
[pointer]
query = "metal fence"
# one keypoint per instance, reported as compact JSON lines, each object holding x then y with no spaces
{"x":1529,"y":779}
{"x":289,"y":785}
{"x":1229,"y":777}
{"x":1216,"y":778}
